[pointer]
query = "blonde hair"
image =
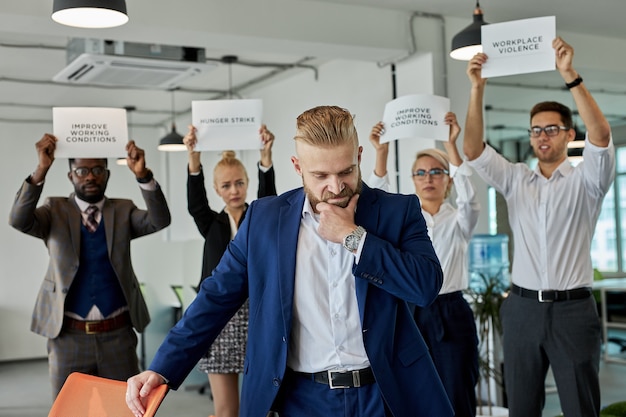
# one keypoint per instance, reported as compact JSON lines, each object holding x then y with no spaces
{"x":229,"y":159}
{"x":439,"y":156}
{"x":326,"y":126}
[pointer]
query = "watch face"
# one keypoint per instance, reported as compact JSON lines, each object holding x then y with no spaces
{"x":352,"y":242}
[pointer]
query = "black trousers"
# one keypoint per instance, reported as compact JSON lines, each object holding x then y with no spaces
{"x":565,"y":335}
{"x":449,"y":329}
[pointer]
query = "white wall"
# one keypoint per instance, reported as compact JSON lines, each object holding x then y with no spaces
{"x":173,"y":256}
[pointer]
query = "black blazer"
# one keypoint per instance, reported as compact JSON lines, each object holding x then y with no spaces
{"x":214,"y":226}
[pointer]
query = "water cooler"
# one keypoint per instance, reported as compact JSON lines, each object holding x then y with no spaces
{"x":488,"y":259}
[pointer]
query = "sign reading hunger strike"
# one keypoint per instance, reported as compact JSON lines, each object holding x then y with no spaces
{"x":417,"y":116}
{"x":89,"y":132}
{"x":227,"y":124}
{"x":519,"y":47}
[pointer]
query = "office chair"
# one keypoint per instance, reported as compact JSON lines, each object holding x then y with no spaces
{"x":616,"y":312}
{"x":205,"y":387}
{"x":85,"y":395}
{"x":178,"y":309}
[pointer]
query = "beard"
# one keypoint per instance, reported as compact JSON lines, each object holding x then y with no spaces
{"x":326,"y":196}
{"x":91,"y":196}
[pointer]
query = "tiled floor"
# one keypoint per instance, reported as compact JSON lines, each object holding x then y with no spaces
{"x":25,"y":391}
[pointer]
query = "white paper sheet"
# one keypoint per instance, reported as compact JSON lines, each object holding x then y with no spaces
{"x":416,"y":116}
{"x":227,"y":124}
{"x":519,"y":47}
{"x":90,"y":132}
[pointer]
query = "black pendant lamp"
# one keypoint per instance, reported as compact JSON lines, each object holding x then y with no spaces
{"x":93,"y":14}
{"x":467,"y":42}
{"x":173,"y":141}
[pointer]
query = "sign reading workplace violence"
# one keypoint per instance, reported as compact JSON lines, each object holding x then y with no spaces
{"x":519,"y":47}
{"x":417,"y":116}
{"x":227,"y":124}
{"x":90,"y":132}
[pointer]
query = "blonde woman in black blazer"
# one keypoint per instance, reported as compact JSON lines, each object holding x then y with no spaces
{"x":224,"y":361}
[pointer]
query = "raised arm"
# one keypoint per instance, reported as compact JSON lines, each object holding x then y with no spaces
{"x":382,"y":149}
{"x":450,"y":145}
{"x":190,"y":141}
{"x":473,"y":144}
{"x":267,"y":178}
{"x":267,"y":138}
{"x":598,"y":128}
{"x":45,"y":155}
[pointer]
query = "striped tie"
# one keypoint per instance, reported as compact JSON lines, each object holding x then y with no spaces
{"x":91,"y":223}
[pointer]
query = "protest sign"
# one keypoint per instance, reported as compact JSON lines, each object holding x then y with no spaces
{"x":90,"y":132}
{"x":417,"y":116}
{"x":519,"y":47}
{"x":227,"y":124}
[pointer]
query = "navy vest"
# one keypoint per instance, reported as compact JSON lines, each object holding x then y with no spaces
{"x":95,"y":282}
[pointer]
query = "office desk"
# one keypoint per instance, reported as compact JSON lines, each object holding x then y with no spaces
{"x":619,"y":323}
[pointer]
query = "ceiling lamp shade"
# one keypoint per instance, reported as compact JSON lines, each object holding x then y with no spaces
{"x":172,"y":142}
{"x":467,"y":42}
{"x":94,"y":14}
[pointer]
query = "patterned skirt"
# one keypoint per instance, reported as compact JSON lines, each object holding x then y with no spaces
{"x":227,"y":352}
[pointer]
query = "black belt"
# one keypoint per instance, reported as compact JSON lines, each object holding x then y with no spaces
{"x":548,"y":296}
{"x":341,"y":379}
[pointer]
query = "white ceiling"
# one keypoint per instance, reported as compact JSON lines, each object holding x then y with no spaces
{"x":291,"y":35}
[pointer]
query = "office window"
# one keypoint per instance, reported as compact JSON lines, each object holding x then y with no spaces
{"x":608,"y":248}
{"x":492,"y":210}
{"x":604,"y":243}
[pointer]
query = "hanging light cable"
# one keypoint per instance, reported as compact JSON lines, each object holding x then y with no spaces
{"x":230,"y":59}
{"x":173,"y":141}
{"x":467,"y":42}
{"x":129,"y":110}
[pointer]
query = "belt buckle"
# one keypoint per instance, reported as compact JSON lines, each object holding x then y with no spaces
{"x":330,"y":379}
{"x":88,"y":327}
{"x":542,"y":299}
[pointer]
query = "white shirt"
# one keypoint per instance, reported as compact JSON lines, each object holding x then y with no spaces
{"x":552,"y":220}
{"x":450,"y":229}
{"x":326,"y":330}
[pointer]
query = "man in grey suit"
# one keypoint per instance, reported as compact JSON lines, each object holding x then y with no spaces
{"x":90,"y":298}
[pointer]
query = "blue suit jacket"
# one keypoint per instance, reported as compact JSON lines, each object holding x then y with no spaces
{"x":397,"y":266}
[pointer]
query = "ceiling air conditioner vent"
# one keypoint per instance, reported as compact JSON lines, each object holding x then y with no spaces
{"x":119,"y":64}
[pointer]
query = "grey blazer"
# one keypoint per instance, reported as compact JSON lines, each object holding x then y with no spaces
{"x":57,"y":222}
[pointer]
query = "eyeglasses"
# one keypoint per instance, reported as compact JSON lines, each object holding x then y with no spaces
{"x":82,"y":172}
{"x":551,"y":130}
{"x":435,"y":173}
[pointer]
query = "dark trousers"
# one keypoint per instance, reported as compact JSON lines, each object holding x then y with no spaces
{"x":111,"y":355}
{"x":565,"y":335}
{"x":449,"y":329}
{"x":300,"y":396}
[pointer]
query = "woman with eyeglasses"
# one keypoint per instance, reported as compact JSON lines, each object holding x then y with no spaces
{"x":448,"y":324}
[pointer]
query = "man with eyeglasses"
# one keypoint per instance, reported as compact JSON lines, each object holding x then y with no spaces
{"x":550,"y":317}
{"x":90,"y":298}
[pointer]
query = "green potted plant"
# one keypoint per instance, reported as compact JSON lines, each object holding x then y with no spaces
{"x":487,"y":292}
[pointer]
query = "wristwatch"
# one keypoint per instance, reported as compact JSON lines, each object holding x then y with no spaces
{"x":147,"y":178}
{"x":351,"y":241}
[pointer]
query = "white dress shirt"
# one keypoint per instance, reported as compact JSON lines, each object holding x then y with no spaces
{"x":450,"y":229}
{"x":552,"y":220}
{"x":326,"y":330}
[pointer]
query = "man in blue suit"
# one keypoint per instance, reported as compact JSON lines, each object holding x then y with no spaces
{"x":330,"y":270}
